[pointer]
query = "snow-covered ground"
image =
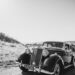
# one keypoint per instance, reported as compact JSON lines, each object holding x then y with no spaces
{"x":10,"y":51}
{"x":10,"y":71}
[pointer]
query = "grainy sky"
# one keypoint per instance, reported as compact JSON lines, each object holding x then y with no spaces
{"x":38,"y":20}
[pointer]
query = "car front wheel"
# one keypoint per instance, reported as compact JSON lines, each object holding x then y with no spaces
{"x":57,"y":69}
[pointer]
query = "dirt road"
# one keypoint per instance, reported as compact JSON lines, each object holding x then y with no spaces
{"x":17,"y":71}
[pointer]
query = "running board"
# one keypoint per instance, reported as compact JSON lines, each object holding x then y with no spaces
{"x":67,"y":66}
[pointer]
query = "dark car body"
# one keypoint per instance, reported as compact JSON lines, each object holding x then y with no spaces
{"x":58,"y":53}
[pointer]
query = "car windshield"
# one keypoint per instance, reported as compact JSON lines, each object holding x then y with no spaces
{"x":54,"y":44}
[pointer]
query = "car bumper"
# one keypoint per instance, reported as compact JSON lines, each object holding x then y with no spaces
{"x":34,"y":69}
{"x":43,"y":71}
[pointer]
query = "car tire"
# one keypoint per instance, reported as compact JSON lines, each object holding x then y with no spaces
{"x":58,"y":69}
{"x":73,"y":62}
{"x":23,"y":69}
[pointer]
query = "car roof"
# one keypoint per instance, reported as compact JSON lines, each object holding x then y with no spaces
{"x":48,"y":42}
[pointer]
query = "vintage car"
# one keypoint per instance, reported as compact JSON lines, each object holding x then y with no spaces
{"x":51,"y":58}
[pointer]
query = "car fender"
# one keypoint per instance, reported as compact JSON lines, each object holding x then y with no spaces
{"x":57,"y":57}
{"x":52,"y":60}
{"x":25,"y":58}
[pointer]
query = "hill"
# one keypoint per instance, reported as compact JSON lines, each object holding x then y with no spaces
{"x":6,"y":38}
{"x":10,"y":49}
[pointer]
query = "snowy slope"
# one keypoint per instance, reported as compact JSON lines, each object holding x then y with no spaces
{"x":10,"y":51}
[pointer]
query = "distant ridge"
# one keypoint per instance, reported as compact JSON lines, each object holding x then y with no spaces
{"x":8,"y":39}
{"x":71,"y":42}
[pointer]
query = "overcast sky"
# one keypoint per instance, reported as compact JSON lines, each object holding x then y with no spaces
{"x":38,"y":20}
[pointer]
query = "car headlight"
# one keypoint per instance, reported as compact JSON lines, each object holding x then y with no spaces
{"x":33,"y":63}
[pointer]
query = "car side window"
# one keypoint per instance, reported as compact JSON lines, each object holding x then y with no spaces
{"x":66,"y":47}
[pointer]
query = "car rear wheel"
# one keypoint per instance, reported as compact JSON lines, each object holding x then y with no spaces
{"x":57,"y":69}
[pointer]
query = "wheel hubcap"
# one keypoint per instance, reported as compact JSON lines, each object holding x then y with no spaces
{"x":57,"y":69}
